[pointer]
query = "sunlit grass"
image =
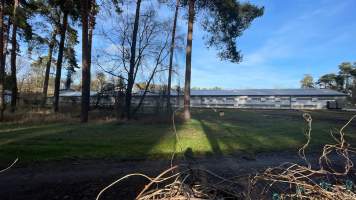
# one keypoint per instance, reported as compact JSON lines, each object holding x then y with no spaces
{"x":206,"y":134}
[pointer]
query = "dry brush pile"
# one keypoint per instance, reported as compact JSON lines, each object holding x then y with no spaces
{"x":333,"y":178}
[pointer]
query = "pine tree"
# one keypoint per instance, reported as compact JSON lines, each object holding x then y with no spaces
{"x":225,"y":21}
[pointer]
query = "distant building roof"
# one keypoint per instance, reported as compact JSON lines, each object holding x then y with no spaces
{"x":242,"y":92}
{"x":257,"y":92}
{"x":73,"y":93}
{"x":268,"y":92}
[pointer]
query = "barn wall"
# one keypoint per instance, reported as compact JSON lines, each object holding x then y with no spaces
{"x":258,"y":102}
{"x":264,"y":102}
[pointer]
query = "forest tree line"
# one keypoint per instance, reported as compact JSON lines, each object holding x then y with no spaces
{"x":39,"y":39}
{"x":344,"y":80}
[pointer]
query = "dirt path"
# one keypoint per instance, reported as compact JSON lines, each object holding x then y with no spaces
{"x":83,"y":179}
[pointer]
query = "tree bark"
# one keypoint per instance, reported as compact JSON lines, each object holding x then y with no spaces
{"x":48,"y":67}
{"x":68,"y":81}
{"x":57,"y":81}
{"x":6,"y":40}
{"x":2,"y":67}
{"x":188,"y":66}
{"x":354,"y":91}
{"x":13,"y":58}
{"x":85,"y":104}
{"x":91,"y":28}
{"x":169,"y":107}
{"x":131,"y":79}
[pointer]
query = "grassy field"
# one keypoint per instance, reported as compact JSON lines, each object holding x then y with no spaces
{"x":251,"y":131}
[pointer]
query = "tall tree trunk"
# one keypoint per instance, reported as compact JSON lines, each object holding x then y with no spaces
{"x":91,"y":24}
{"x":85,"y":64}
{"x":347,"y":84}
{"x":13,"y":58}
{"x":48,"y":67}
{"x":169,"y":108}
{"x":91,"y":28}
{"x":354,"y":91}
{"x":6,"y":41}
{"x":188,"y":66}
{"x":2,"y":67}
{"x":57,"y":81}
{"x":68,"y":82}
{"x":131,"y":79}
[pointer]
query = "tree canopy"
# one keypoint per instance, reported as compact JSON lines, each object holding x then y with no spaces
{"x":224,"y":21}
{"x":307,"y":81}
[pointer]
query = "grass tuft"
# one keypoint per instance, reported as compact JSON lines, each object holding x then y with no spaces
{"x":251,"y":131}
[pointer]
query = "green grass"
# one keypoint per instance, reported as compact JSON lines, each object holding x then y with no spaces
{"x":206,"y":134}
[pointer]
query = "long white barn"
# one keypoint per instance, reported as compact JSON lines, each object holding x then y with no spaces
{"x":249,"y":98}
{"x":268,"y":98}
{"x":259,"y":98}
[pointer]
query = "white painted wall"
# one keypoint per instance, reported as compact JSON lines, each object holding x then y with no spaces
{"x":264,"y":102}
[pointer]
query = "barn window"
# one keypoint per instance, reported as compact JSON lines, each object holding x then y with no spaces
{"x":270,"y":98}
{"x":304,"y":98}
{"x":309,"y":106}
{"x":260,"y":105}
{"x":230,"y":100}
{"x":326,"y":98}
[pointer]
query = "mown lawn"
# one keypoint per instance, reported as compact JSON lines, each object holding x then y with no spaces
{"x":249,"y":131}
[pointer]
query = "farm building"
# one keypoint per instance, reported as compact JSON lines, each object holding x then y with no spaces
{"x":70,"y":96}
{"x":249,"y":98}
{"x":268,"y":98}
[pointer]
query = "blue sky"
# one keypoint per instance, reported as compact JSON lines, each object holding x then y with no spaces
{"x":293,"y":38}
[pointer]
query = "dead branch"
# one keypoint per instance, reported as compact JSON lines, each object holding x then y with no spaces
{"x":11,"y":165}
{"x":287,"y":181}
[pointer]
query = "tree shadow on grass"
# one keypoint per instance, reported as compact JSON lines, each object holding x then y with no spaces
{"x":228,"y":136}
{"x":224,"y":141}
{"x":127,"y":141}
{"x":211,"y":136}
{"x":18,"y":134}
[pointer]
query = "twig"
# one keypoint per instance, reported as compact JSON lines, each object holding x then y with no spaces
{"x":7,"y":168}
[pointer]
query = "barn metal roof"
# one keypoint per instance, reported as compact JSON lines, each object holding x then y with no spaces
{"x":72,"y":93}
{"x":268,"y":92}
{"x":256,"y":92}
{"x":241,"y":92}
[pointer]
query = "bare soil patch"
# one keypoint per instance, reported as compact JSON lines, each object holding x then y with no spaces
{"x":83,"y":179}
